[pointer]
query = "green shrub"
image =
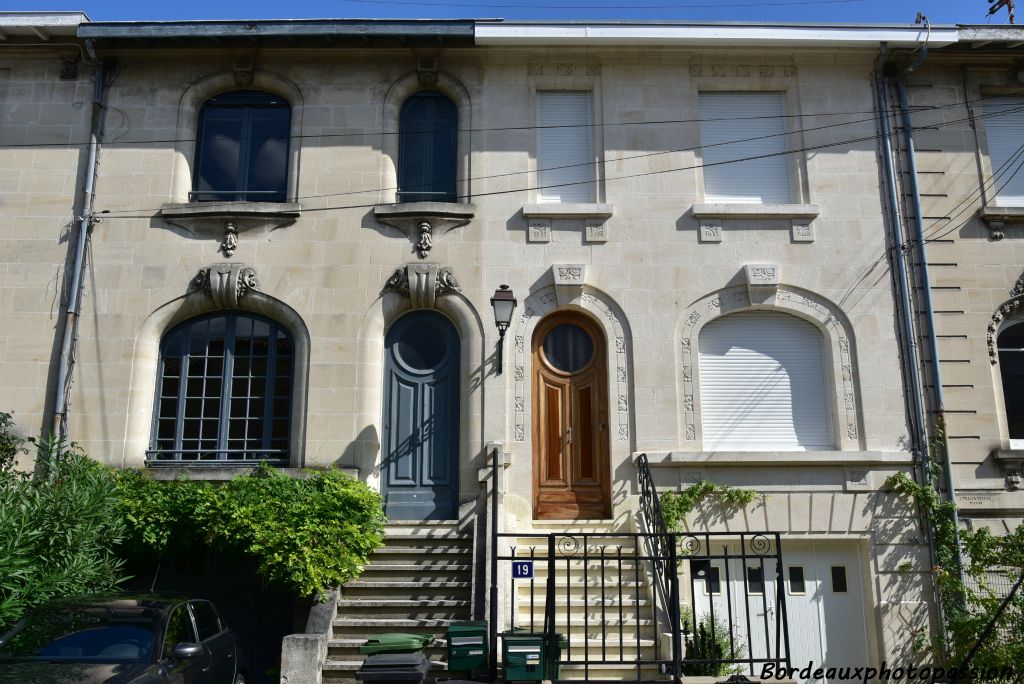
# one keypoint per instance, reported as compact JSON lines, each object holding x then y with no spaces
{"x":10,"y":444}
{"x":58,"y":530}
{"x":308,"y":534}
{"x":710,"y":641}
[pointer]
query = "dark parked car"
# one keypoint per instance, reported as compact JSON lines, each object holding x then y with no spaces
{"x":122,"y":640}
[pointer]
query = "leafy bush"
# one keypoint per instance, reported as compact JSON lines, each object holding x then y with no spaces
{"x":58,"y":530}
{"x":309,"y":534}
{"x":10,"y":443}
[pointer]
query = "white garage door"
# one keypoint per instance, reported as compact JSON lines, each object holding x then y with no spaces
{"x":824,"y":601}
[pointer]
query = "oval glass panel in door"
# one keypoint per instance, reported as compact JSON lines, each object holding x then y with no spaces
{"x":570,"y":389}
{"x":568,"y":348}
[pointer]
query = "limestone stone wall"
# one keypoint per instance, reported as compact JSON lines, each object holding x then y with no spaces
{"x":975,"y":268}
{"x":40,"y":180}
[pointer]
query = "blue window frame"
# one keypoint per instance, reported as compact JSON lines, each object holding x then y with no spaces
{"x":427,"y":139}
{"x":224,"y":391}
{"x":242,"y":148}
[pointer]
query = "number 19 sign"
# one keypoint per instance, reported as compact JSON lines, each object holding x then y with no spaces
{"x":522,"y":569}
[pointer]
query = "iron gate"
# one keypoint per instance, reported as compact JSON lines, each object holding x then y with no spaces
{"x":640,"y":600}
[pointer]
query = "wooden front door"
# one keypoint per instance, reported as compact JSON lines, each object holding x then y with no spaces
{"x":571,"y":478}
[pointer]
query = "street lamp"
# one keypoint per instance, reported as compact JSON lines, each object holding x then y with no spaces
{"x":504,"y":303}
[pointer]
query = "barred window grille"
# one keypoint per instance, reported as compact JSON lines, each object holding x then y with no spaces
{"x":224,"y":391}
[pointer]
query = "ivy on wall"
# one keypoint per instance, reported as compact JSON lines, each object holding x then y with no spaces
{"x":675,"y":506}
{"x":969,"y":603}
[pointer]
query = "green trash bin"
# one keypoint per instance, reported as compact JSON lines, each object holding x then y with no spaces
{"x":467,"y":646}
{"x":396,"y":642}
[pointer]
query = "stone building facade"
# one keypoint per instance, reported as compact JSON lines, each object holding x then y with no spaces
{"x":649,"y":293}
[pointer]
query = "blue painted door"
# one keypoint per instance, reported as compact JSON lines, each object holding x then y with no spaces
{"x":421,"y":407}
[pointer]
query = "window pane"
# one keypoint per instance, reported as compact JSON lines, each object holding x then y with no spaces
{"x":427,"y":149}
{"x":247,"y":389}
{"x":207,"y":623}
{"x":565,"y":159}
{"x":268,"y":156}
{"x":839,"y":579}
{"x":242,"y":151}
{"x":796,"y":580}
{"x":179,"y":630}
{"x":755,"y":580}
{"x":748,"y":127}
{"x":568,"y":348}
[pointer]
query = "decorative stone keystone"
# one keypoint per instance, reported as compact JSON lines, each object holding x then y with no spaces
{"x":225,"y":283}
{"x":422,"y":284}
{"x":762,"y":281}
{"x":569,"y":279}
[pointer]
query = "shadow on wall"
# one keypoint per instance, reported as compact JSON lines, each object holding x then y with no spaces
{"x":261,"y":616}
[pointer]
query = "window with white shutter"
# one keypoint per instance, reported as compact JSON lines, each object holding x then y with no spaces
{"x":748,"y":127}
{"x":763,"y":384}
{"x":1004,"y":128}
{"x":565,"y":158}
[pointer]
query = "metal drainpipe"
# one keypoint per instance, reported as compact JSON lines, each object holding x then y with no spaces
{"x":933,"y":343}
{"x":917,"y":413}
{"x":85,"y":222}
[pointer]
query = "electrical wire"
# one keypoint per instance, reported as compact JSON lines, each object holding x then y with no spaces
{"x":114,"y":213}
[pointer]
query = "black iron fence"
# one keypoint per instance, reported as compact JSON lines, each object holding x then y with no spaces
{"x":651,"y":602}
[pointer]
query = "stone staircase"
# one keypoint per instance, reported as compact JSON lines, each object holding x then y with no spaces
{"x":419,"y":581}
{"x":599,"y":622}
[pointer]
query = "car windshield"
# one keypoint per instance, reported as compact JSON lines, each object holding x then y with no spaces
{"x":109,"y":633}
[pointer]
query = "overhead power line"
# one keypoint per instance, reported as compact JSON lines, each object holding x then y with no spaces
{"x":145,"y":213}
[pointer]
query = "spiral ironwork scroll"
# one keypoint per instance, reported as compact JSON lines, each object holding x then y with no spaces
{"x":760,"y":544}
{"x":568,"y":546}
{"x":689,"y":544}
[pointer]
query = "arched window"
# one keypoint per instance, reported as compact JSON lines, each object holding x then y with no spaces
{"x":1011,"y":368}
{"x":427,"y":139}
{"x":224,"y":390}
{"x":242,"y":148}
{"x":763,"y":384}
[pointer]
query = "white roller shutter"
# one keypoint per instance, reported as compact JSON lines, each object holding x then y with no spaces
{"x":738,"y":126}
{"x":1004,"y":127}
{"x":565,"y":159}
{"x":763,"y":384}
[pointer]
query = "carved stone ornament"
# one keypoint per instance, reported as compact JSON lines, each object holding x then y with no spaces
{"x":422,"y":284}
{"x":226,"y":283}
{"x":569,"y":279}
{"x":243,"y":66}
{"x":423,"y":222}
{"x":1008,"y":309}
{"x":426,"y":71}
{"x":762,"y":281}
{"x":230,"y":242}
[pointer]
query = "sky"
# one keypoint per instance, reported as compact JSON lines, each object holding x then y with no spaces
{"x":845,"y":11}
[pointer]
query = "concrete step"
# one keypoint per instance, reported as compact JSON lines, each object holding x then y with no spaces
{"x":409,"y":572}
{"x":428,"y":590}
{"x":614,"y":672}
{"x":445,"y":609}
